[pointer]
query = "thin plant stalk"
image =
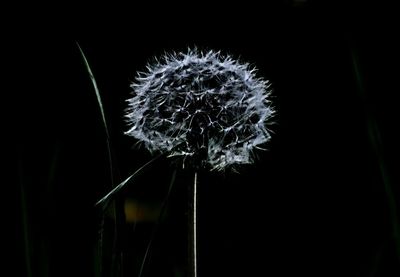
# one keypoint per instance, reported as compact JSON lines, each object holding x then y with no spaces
{"x":193,"y":229}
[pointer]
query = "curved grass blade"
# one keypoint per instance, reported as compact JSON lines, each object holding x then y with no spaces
{"x":110,"y":160}
{"x":106,"y":199}
{"x":96,"y":90}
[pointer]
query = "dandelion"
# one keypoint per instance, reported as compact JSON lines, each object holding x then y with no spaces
{"x":204,"y":107}
{"x":207,"y":109}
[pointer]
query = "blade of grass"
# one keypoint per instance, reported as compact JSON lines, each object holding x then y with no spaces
{"x":110,"y":161}
{"x":106,"y":199}
{"x":118,"y":207}
{"x":100,"y":103}
{"x":96,"y":90}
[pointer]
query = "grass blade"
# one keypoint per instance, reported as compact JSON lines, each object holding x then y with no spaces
{"x":106,"y":199}
{"x":110,"y":160}
{"x":95,"y":89}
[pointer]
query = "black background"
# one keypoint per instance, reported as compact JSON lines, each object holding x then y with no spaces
{"x":316,"y":204}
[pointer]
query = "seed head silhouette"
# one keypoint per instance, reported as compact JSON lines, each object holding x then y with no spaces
{"x":207,"y":108}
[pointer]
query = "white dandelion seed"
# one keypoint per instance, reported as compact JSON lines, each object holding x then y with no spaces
{"x":207,"y":108}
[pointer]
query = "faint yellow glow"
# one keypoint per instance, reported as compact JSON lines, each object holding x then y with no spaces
{"x":140,"y":212}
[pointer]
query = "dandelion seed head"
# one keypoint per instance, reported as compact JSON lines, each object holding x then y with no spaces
{"x":207,"y":108}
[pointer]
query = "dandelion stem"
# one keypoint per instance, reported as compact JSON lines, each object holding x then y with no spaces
{"x":193,"y":229}
{"x":195,"y":225}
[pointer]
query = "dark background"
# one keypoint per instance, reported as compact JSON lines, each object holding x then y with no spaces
{"x":322,"y":200}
